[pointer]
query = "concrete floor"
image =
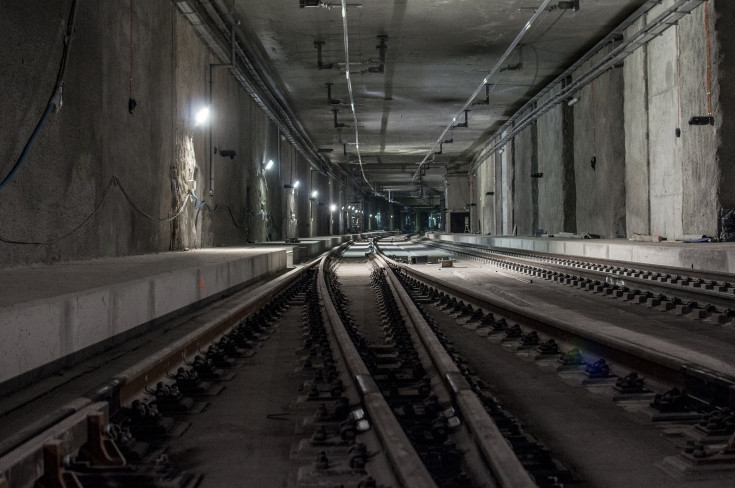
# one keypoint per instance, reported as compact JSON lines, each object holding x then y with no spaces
{"x":688,"y":340}
{"x":603,"y":444}
{"x":234,"y":441}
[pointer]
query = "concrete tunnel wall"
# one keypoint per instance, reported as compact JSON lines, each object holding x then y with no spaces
{"x":646,"y":179}
{"x":154,"y":152}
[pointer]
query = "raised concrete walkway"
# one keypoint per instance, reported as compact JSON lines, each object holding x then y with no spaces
{"x":716,"y":257}
{"x":50,"y":314}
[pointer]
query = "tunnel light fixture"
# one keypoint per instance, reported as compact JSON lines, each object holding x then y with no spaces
{"x":296,"y":184}
{"x":314,"y":194}
{"x":202,"y":116}
{"x":573,"y":101}
{"x":332,"y":207}
{"x":268,"y":165}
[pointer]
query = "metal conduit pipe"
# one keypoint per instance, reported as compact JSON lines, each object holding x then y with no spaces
{"x":654,"y":28}
{"x":258,"y":66}
{"x":200,"y":15}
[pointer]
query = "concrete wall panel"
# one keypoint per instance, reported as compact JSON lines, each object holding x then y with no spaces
{"x":599,"y":133}
{"x":155,"y":153}
{"x":636,"y":140}
{"x":550,"y":163}
{"x":524,"y":162}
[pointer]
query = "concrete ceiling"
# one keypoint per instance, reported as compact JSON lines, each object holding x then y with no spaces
{"x":438,"y":52}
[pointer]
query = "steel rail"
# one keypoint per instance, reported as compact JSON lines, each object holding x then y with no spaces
{"x":407,"y":464}
{"x":725,"y":301}
{"x":673,"y":270}
{"x":25,"y":448}
{"x":495,"y":450}
{"x":669,"y":368}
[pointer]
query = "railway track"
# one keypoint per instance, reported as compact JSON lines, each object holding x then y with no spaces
{"x":603,"y":357}
{"x":393,"y":424}
{"x":356,"y":371}
{"x":689,"y":293}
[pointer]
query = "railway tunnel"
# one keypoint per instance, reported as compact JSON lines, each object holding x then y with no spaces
{"x":416,"y":242}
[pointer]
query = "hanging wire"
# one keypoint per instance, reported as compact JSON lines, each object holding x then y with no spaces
{"x":113,"y":182}
{"x":54,"y":102}
{"x":349,"y":88}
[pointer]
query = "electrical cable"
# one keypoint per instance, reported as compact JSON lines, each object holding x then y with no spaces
{"x":551,"y":25}
{"x":145,"y":215}
{"x":114,"y":181}
{"x":349,"y":88}
{"x":54,"y":101}
{"x":217,"y":208}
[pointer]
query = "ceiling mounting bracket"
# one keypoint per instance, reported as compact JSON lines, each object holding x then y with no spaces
{"x":329,"y":94}
{"x":382,"y":48}
{"x":319,"y":45}
{"x":463,"y":124}
{"x":519,"y":65}
{"x":337,"y":125}
{"x":487,"y":96}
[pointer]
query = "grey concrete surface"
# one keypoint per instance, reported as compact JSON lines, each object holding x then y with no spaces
{"x":722,"y":70}
{"x":550,"y":163}
{"x":635,"y":111}
{"x":701,"y":168}
{"x":646,"y":180}
{"x":599,"y":133}
{"x":665,"y":166}
{"x":525,"y":212}
{"x":714,"y":257}
{"x":51,"y":312}
{"x":155,"y":152}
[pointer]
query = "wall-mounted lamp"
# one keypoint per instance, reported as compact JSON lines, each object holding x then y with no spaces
{"x":202,"y":116}
{"x":268,"y":165}
{"x":573,"y":101}
{"x":314,"y":194}
{"x":332,"y":207}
